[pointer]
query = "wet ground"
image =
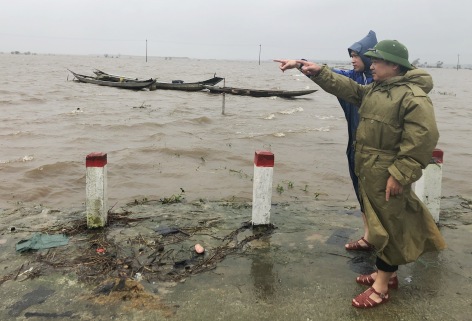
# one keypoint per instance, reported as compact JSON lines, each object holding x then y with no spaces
{"x":144,"y":266}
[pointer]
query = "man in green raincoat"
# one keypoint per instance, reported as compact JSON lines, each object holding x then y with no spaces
{"x":394,"y":141}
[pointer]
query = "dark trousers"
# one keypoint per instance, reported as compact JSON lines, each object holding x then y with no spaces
{"x":383,"y":266}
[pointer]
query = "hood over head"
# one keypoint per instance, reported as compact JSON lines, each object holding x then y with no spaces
{"x":420,"y":78}
{"x":362,"y":46}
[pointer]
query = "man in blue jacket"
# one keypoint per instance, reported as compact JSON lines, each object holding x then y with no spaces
{"x":361,"y":74}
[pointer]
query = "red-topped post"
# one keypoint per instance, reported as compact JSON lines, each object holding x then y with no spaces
{"x":262,"y":187}
{"x":96,"y":190}
{"x":428,"y":187}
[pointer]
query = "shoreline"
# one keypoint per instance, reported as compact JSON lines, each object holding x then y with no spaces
{"x":284,"y":274}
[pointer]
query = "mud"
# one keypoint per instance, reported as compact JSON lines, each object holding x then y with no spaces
{"x":143,"y":265}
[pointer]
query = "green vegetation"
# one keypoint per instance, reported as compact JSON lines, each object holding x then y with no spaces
{"x":280,"y":189}
{"x":174,"y":198}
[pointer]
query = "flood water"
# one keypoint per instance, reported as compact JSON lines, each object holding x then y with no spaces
{"x":160,"y":142}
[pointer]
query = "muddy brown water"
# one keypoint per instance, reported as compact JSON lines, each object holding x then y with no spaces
{"x":158,"y":142}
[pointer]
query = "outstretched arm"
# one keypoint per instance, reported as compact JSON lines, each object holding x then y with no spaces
{"x":306,"y":67}
{"x":286,"y":64}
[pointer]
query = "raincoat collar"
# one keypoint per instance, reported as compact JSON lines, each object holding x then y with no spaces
{"x":418,"y":77}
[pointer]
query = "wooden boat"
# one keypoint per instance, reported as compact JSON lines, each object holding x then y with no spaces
{"x":259,"y":92}
{"x":113,"y":81}
{"x":105,"y":76}
{"x":189,"y":86}
{"x":174,"y":85}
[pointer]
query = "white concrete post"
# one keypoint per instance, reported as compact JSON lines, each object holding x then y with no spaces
{"x":96,"y":190}
{"x":262,"y":187}
{"x":428,"y":187}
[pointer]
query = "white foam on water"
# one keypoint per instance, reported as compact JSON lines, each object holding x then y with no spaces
{"x":291,"y":111}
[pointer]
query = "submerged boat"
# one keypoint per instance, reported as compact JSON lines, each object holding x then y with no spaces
{"x":259,"y":92}
{"x":189,"y":86}
{"x":174,"y":85}
{"x":106,"y":76}
{"x":115,"y":81}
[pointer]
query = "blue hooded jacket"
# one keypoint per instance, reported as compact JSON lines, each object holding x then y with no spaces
{"x":350,"y":111}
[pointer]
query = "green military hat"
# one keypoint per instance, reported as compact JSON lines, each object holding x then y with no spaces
{"x":390,"y":50}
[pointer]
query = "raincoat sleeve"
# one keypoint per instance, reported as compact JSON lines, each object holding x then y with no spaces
{"x":346,"y":73}
{"x":420,"y":136}
{"x":340,"y":86}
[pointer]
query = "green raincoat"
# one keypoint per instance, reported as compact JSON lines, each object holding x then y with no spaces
{"x":396,"y":136}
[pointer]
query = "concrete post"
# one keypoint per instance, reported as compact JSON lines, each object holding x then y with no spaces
{"x":428,"y":187}
{"x":96,"y":190}
{"x":262,"y":187}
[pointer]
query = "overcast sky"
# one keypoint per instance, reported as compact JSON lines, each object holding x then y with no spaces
{"x":432,"y":30}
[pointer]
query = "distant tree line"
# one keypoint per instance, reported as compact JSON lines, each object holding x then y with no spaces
{"x":24,"y":53}
{"x":416,"y":63}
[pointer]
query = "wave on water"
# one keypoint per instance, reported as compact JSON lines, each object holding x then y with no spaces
{"x":284,"y":133}
{"x":19,"y":133}
{"x":291,"y":111}
{"x":58,"y":169}
{"x":31,"y":100}
{"x":78,"y":110}
{"x":251,"y":135}
{"x":196,"y":153}
{"x":119,"y":128}
{"x":150,"y":125}
{"x":5,"y":102}
{"x":24,"y":159}
{"x":201,"y":120}
{"x":157,"y":136}
{"x":327,"y":117}
{"x":306,"y":130}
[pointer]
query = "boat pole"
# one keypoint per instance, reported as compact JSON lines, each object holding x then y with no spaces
{"x":96,"y":190}
{"x":262,"y":187}
{"x":260,"y":48}
{"x":223,"y":95}
{"x":146,"y":50}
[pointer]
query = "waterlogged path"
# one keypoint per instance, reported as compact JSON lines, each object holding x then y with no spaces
{"x":148,"y":269}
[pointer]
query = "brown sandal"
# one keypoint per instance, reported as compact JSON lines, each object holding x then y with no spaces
{"x":363,"y":300}
{"x":356,"y":246}
{"x":368,"y":280}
